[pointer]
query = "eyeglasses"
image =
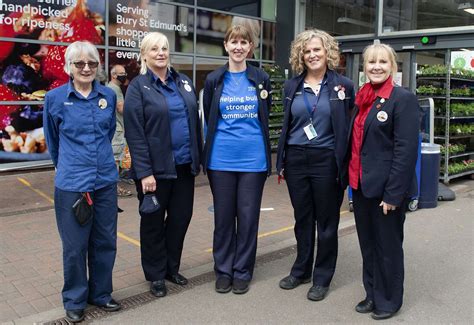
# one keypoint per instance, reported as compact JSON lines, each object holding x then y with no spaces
{"x":82,"y":64}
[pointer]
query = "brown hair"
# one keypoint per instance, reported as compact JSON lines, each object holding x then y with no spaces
{"x":238,"y":31}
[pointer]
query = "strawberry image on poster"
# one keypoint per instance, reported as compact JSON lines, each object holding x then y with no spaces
{"x":81,"y":28}
{"x":6,"y":94}
{"x":7,"y":31}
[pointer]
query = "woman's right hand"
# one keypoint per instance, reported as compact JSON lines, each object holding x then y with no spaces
{"x":148,"y":184}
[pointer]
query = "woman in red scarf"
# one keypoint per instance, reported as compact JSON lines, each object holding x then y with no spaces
{"x":383,"y":153}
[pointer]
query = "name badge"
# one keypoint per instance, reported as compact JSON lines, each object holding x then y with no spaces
{"x":310,"y":131}
{"x":382,"y":116}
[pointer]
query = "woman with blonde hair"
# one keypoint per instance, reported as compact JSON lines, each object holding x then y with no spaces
{"x":311,"y":151}
{"x":382,"y":158}
{"x":163,"y":134}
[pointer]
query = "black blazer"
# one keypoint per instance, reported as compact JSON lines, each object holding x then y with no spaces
{"x":212,"y":93}
{"x":390,"y":148}
{"x":340,"y":118}
{"x":147,"y":126}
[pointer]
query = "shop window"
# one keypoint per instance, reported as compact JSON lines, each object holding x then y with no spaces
{"x":211,"y":29}
{"x":21,"y":132}
{"x":269,"y":41}
{"x":66,"y":22}
{"x":243,"y":7}
{"x":129,"y":24}
{"x":401,"y":15}
{"x":341,"y":18}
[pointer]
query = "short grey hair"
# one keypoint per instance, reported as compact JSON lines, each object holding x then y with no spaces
{"x":74,"y":50}
{"x":150,"y":40}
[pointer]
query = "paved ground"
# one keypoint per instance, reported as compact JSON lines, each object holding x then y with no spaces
{"x":30,"y":253}
{"x":438,"y":289}
{"x":31,"y":276}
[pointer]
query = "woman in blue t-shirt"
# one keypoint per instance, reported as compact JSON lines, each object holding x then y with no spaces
{"x":237,"y":159}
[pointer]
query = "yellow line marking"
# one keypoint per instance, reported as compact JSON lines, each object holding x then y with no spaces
{"x":274,"y":232}
{"x":27,"y":184}
{"x":129,"y":239}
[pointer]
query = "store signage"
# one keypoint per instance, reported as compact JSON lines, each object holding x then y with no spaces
{"x":462,"y":60}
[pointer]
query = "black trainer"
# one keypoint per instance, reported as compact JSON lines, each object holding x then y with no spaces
{"x":240,"y":286}
{"x":223,"y":284}
{"x":317,"y":293}
{"x":291,"y":282}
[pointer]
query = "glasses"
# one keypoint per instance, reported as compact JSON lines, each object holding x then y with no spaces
{"x":82,"y":64}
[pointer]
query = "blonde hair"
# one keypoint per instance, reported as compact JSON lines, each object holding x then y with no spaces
{"x":374,"y":51}
{"x":150,"y":40}
{"x":300,"y":42}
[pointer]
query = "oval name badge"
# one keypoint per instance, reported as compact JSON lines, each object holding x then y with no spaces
{"x":341,"y":94}
{"x":382,"y":116}
{"x":102,"y":103}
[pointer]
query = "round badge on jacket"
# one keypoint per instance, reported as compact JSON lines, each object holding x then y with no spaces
{"x":102,"y":103}
{"x":188,"y":88}
{"x":264,"y":94}
{"x":382,"y":116}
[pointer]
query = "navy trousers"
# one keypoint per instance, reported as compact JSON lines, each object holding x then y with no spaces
{"x":381,"y":244}
{"x":90,"y":247}
{"x":316,"y":197}
{"x":237,"y":200}
{"x":162,"y":233}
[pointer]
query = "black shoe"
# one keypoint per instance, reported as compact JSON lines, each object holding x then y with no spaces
{"x":223,"y":284}
{"x":317,"y":293}
{"x":365,"y":306}
{"x":75,"y":316}
{"x":158,"y":288}
{"x":119,"y":210}
{"x":112,"y":305}
{"x":240,"y":286}
{"x":178,"y":279}
{"x":291,"y":282}
{"x":379,"y":314}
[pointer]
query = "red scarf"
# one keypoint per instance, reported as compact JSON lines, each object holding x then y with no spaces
{"x":364,"y":100}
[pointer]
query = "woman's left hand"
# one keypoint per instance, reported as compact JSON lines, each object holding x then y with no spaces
{"x":387,"y":207}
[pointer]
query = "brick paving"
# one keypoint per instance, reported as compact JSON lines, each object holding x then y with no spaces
{"x":31,"y":275}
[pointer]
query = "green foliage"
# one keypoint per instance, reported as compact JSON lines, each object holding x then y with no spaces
{"x":462,"y":109}
{"x":454,"y":149}
{"x":430,"y":90}
{"x":433,"y":70}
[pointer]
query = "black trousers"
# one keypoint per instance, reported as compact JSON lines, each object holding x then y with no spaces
{"x":311,"y":176}
{"x":162,"y":233}
{"x":237,"y":200}
{"x":381,"y":244}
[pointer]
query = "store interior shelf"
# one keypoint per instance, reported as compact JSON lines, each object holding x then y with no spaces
{"x":453,"y":176}
{"x":462,"y":98}
{"x":276,"y":114}
{"x":463,"y":154}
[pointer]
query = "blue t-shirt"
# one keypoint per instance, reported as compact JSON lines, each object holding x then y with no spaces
{"x":238,"y":142}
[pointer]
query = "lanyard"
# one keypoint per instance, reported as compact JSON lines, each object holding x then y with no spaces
{"x":308,"y":106}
